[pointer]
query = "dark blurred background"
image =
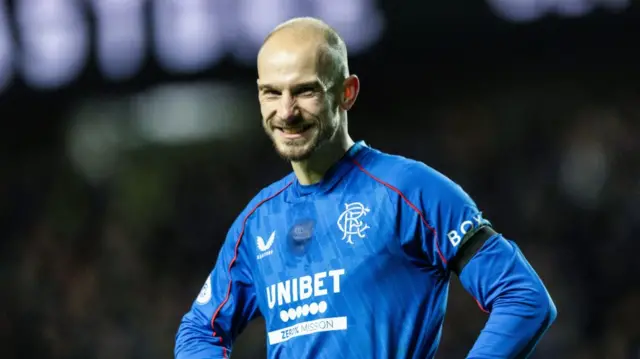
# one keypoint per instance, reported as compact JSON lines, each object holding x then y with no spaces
{"x":131,"y":139}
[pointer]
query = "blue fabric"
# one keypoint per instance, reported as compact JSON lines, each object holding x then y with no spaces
{"x":357,"y":266}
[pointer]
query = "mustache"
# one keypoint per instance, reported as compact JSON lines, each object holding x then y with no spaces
{"x":296,"y":121}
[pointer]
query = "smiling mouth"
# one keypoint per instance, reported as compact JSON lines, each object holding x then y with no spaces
{"x":294,"y":130}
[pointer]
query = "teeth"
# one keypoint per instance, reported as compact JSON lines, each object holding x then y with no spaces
{"x":292,"y":131}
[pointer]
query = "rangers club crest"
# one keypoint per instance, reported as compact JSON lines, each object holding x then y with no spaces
{"x":351,"y":221}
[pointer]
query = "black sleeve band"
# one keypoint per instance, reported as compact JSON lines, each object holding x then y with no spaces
{"x":469,"y":246}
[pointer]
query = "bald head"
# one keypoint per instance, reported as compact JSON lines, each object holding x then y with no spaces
{"x":314,"y":38}
{"x":305,"y":89}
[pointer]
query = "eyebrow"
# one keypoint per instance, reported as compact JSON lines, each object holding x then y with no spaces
{"x":263,"y":87}
{"x":307,"y":84}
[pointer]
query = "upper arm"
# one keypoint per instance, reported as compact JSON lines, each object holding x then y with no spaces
{"x":233,"y":301}
{"x":449,"y":218}
{"x":454,"y":233}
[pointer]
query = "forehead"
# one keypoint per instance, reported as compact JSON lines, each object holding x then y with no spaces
{"x":284,"y":66}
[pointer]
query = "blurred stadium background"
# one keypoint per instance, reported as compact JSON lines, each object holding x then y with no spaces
{"x":131,"y":139}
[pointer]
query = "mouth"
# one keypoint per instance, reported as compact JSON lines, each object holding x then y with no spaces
{"x":293,"y":132}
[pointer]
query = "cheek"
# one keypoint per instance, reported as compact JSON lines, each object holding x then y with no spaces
{"x":329,"y":109}
{"x":315,"y":106}
{"x":266,"y":109}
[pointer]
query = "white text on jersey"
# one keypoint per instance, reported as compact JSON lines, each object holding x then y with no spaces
{"x":293,"y":290}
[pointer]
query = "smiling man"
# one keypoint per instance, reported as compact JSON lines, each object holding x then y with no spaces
{"x":305,"y":90}
{"x":350,"y":255}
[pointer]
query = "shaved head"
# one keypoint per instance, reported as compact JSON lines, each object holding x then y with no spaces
{"x":315,"y":35}
{"x":304,"y":87}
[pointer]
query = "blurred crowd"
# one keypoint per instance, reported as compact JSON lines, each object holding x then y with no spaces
{"x":106,"y":269}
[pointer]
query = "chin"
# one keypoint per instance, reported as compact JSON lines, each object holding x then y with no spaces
{"x":296,"y":153}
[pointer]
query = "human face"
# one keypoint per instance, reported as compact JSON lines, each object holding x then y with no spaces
{"x":299,"y":110}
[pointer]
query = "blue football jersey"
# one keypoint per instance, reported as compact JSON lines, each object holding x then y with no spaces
{"x":355,"y":266}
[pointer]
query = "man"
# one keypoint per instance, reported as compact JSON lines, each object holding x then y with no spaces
{"x":350,"y":255}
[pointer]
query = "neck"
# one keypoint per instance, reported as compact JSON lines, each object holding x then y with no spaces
{"x":312,"y":170}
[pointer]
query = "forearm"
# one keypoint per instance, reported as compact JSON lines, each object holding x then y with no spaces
{"x":196,"y":340}
{"x":513,"y":330}
{"x":520,"y":307}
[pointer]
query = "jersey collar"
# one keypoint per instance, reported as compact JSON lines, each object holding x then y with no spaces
{"x":335,"y":173}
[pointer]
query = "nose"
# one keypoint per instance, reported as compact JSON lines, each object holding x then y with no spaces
{"x":288,"y":107}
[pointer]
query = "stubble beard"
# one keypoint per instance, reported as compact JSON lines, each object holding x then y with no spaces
{"x":293,"y":151}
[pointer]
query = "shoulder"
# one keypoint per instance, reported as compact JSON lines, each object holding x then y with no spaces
{"x":409,"y":176}
{"x":271,"y":191}
{"x":263,"y":197}
{"x":268,"y":193}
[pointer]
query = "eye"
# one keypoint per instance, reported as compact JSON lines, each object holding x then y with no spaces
{"x":270,"y":94}
{"x":306,"y":92}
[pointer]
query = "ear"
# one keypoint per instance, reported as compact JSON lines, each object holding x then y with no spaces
{"x":351,"y":88}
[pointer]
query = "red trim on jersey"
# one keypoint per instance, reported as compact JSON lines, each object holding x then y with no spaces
{"x":422,"y":217}
{"x":407,"y":201}
{"x":235,"y":257}
{"x":480,"y":305}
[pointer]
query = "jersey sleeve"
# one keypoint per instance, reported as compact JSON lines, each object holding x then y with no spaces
{"x":448,"y":214}
{"x":497,"y":274}
{"x":224,"y":307}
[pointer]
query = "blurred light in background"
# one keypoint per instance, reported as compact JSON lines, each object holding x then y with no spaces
{"x":95,"y":140}
{"x":584,"y":171}
{"x":184,"y":114}
{"x":6,"y":48}
{"x":103,"y":129}
{"x":120,"y":42}
{"x":187,"y":36}
{"x":360,"y":22}
{"x":192,"y":36}
{"x":570,"y":8}
{"x":54,"y":38}
{"x":255,"y":20}
{"x":530,"y":10}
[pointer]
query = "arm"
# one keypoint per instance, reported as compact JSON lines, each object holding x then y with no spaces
{"x":491,"y":268}
{"x":520,"y":308}
{"x":225,"y":305}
